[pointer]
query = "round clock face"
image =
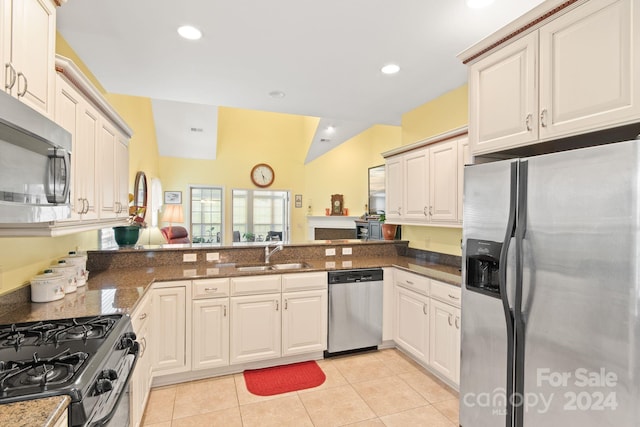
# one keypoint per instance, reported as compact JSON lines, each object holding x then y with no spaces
{"x":262,"y":175}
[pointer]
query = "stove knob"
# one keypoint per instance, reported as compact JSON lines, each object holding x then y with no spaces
{"x":127,"y":340}
{"x":109,"y":374}
{"x":103,"y":385}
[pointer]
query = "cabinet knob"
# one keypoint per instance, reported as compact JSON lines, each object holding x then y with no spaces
{"x":10,"y":72}
{"x":26,"y":84}
{"x":543,"y":118}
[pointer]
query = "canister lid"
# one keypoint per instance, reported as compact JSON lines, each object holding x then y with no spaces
{"x":48,"y":274}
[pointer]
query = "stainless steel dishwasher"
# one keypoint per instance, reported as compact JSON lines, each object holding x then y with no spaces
{"x":355,"y":310}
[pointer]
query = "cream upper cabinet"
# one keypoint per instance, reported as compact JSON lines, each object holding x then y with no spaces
{"x":589,"y":65}
{"x":464,"y":158}
{"x":577,"y":73}
{"x":75,"y":114}
{"x":27,"y":50}
{"x":422,"y":182}
{"x":394,"y":188}
{"x":443,"y":177}
{"x":503,"y":98}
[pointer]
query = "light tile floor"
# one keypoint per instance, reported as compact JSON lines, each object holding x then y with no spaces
{"x":382,"y":388}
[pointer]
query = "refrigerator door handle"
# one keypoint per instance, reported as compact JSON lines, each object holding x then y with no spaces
{"x":521,"y":230}
{"x":502,"y":283}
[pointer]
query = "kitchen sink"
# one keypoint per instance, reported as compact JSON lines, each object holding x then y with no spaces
{"x":291,"y":266}
{"x":254,"y":268}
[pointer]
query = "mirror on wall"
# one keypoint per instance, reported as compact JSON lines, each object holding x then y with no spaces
{"x":376,"y":190}
{"x":139,"y":207}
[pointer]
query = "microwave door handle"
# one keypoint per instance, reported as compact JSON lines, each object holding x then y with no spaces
{"x":67,"y":176}
{"x":502,"y":283}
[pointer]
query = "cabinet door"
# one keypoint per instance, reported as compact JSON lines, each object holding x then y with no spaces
{"x":169,"y":330}
{"x":375,"y":230}
{"x":85,"y":156}
{"x":503,"y":97}
{"x":33,"y":53}
{"x":412,"y":323}
{"x":464,"y":158}
{"x":443,"y":176}
{"x":210,"y":342}
{"x":141,"y":378}
{"x":416,"y":185}
{"x":394,"y":188}
{"x":255,"y":328}
{"x":108,"y":183}
{"x":122,"y":176}
{"x":443,"y":339}
{"x":304,"y":322}
{"x":586,"y":72}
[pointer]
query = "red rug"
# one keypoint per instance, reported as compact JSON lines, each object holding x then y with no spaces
{"x":283,"y":379}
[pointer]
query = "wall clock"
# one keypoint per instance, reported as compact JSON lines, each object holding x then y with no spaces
{"x":262,"y":175}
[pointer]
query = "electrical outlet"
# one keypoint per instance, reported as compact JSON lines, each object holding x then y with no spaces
{"x":330,"y":264}
{"x":213,"y":271}
{"x":189,"y":257}
{"x":346,"y":251}
{"x":347,"y":264}
{"x":330,"y":252}
{"x":213,"y":256}
{"x":189,"y":272}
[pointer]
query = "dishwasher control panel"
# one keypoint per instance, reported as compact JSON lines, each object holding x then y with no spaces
{"x":353,"y":276}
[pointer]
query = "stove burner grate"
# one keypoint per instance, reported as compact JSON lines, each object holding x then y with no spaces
{"x":42,"y":373}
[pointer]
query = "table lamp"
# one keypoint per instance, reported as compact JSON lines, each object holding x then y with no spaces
{"x":172,"y":213}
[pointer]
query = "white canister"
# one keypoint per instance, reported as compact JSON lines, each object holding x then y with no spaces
{"x":80,"y":261}
{"x":48,"y":286}
{"x":69,"y":271}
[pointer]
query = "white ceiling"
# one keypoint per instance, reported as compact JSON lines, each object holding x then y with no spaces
{"x":324,"y":55}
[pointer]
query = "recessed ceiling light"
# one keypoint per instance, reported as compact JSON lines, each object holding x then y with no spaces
{"x":390,"y":69}
{"x":330,"y":129}
{"x":478,"y":4}
{"x":189,"y":32}
{"x":276,"y":94}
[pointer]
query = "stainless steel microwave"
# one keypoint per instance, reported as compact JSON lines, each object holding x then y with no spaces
{"x":35,"y":165}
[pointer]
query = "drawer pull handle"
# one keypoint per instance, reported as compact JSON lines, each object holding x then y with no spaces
{"x":409,"y":282}
{"x":211,"y":289}
{"x":143,"y":316}
{"x":454,"y":297}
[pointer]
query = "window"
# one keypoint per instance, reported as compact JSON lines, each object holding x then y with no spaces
{"x":206,"y":214}
{"x":260,"y":215}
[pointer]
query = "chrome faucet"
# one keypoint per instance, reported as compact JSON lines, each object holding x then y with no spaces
{"x":267,"y":253}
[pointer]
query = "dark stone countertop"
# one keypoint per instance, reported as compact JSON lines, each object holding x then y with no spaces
{"x":118,"y":290}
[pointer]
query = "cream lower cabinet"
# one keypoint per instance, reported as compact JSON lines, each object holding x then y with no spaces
{"x":141,"y":378}
{"x":255,"y":327}
{"x":170,"y":324}
{"x":411,"y":328}
{"x":304,"y":313}
{"x":445,"y":340}
{"x":210,"y":311}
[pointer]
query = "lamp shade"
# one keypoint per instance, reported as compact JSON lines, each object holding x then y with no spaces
{"x":173,"y":213}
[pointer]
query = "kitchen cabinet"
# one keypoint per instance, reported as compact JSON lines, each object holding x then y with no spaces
{"x":304,"y":313}
{"x":170,"y":324}
{"x":210,"y":311}
{"x":422,"y":182}
{"x":140,"y":383}
{"x":411,"y":328}
{"x":255,"y":327}
{"x":577,"y":73}
{"x":369,"y":229}
{"x":444,"y":347}
{"x":114,"y":172}
{"x":74,"y":113}
{"x":27,"y":50}
{"x":412,"y":323}
{"x":464,"y":158}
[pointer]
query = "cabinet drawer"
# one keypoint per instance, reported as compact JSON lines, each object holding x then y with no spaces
{"x":210,"y":288}
{"x":141,"y":314}
{"x":255,"y":285}
{"x":412,"y":281}
{"x":304,"y":281}
{"x":445,"y":292}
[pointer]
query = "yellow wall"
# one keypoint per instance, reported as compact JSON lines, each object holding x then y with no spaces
{"x":444,"y":113}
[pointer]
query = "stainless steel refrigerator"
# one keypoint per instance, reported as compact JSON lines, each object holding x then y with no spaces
{"x":551,"y":290}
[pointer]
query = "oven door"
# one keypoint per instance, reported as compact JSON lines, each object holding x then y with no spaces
{"x":112,"y":408}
